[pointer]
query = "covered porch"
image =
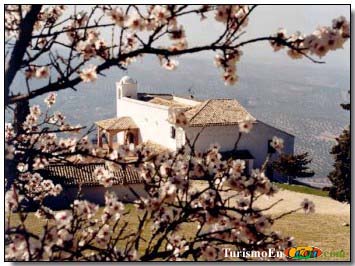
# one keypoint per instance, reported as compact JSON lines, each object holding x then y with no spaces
{"x":111,"y":127}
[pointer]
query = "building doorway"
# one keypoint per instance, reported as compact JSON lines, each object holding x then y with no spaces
{"x":130,"y":138}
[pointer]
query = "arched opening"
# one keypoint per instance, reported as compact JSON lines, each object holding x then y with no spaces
{"x":108,"y":129}
{"x":130,"y":138}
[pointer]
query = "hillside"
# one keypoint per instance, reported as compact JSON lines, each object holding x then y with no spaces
{"x":303,"y":100}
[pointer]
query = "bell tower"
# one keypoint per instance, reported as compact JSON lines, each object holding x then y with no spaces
{"x":126,"y":87}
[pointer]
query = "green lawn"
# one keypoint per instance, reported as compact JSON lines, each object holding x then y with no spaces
{"x":323,"y":231}
{"x":303,"y":189}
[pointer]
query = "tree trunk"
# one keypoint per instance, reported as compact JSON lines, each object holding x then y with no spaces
{"x":22,"y":109}
{"x":19,"y":51}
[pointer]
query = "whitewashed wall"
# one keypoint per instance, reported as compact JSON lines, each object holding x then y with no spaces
{"x":256,"y":141}
{"x":126,"y":90}
{"x":152,"y":120}
{"x":95,"y":194}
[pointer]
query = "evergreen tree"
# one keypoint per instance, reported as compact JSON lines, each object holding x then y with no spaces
{"x":341,"y":175}
{"x":293,"y":166}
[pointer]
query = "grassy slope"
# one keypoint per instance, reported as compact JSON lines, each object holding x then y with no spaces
{"x":323,"y":231}
{"x":303,"y":189}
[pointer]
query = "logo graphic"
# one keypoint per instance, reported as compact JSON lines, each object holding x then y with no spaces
{"x":303,"y":253}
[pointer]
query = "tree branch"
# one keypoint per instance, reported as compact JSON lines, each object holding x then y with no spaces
{"x":26,"y":28}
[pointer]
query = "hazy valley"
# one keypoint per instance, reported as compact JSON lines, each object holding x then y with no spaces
{"x":303,"y":100}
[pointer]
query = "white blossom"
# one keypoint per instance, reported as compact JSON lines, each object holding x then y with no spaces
{"x":160,"y":14}
{"x":35,"y":110}
{"x":105,"y":177}
{"x":237,"y":167}
{"x":88,"y":74}
{"x":245,"y":126}
{"x":209,"y":253}
{"x":277,"y":143}
{"x":170,"y":64}
{"x":113,"y":207}
{"x":9,"y":131}
{"x":42,"y":72}
{"x":87,"y":49}
{"x":118,"y":16}
{"x":12,"y":199}
{"x":50,"y":99}
{"x":63,"y":236}
{"x":22,"y":167}
{"x":63,"y":219}
{"x":135,"y":22}
{"x":40,"y":162}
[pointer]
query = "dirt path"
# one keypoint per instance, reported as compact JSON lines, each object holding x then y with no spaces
{"x":291,"y":200}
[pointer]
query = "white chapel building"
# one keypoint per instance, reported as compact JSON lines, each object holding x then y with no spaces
{"x":146,"y":117}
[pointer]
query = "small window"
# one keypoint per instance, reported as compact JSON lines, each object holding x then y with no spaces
{"x":173,"y":132}
{"x":270,"y":149}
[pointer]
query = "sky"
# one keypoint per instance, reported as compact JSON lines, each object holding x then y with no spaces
{"x":266,"y":20}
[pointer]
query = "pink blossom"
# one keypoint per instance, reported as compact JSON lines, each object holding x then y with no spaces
{"x":118,"y":16}
{"x":245,"y":126}
{"x":50,"y":99}
{"x":135,"y":22}
{"x":89,"y":74}
{"x":40,"y":163}
{"x":277,"y":143}
{"x":9,"y":131}
{"x":63,"y":219}
{"x":104,"y":176}
{"x":42,"y":72}
{"x":12,"y":200}
{"x":160,"y":14}
{"x":170,"y":64}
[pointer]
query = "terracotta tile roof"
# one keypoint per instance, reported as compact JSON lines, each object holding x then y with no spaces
{"x":83,"y":174}
{"x":216,"y":112}
{"x":121,"y":123}
{"x":156,"y":147}
{"x":167,"y":102}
